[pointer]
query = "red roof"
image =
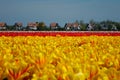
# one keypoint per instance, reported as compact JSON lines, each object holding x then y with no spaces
{"x":32,"y":24}
{"x":54,"y":24}
{"x":2,"y":24}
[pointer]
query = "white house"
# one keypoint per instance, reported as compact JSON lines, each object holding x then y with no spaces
{"x":32,"y":26}
{"x":3,"y":26}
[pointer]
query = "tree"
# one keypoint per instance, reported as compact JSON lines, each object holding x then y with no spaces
{"x":92,"y":22}
{"x":41,"y":26}
{"x":83,"y":25}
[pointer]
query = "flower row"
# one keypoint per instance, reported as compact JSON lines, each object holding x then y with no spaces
{"x":60,"y":58}
{"x":62,"y":33}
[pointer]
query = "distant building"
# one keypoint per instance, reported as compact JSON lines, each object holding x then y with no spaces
{"x":114,"y":28}
{"x":68,"y":26}
{"x":90,"y":27}
{"x":3,"y":26}
{"x":76,"y":26}
{"x":104,"y":27}
{"x":72,"y":27}
{"x":54,"y":26}
{"x":18,"y":26}
{"x":32,"y":26}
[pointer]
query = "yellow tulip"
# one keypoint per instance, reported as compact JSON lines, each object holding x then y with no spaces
{"x":57,"y":58}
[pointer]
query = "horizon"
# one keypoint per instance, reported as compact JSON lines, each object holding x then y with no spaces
{"x":47,"y":25}
{"x":60,"y":11}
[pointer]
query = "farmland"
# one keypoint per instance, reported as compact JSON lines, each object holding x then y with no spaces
{"x":62,"y":33}
{"x":60,"y":55}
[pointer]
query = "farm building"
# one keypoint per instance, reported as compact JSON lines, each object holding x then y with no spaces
{"x":3,"y":26}
{"x":31,"y":26}
{"x":18,"y":26}
{"x":72,"y":26}
{"x":54,"y":26}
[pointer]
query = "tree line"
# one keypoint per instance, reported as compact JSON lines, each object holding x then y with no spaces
{"x":106,"y":25}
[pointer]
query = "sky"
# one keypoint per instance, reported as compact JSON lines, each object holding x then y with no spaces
{"x":60,"y":11}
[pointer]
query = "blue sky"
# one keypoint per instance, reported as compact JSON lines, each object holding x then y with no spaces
{"x":60,"y":11}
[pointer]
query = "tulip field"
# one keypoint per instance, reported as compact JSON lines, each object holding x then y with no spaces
{"x":58,"y":56}
{"x":62,"y":33}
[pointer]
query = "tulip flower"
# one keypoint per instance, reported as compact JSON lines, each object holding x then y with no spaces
{"x":59,"y":57}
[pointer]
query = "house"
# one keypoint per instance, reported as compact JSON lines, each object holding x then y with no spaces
{"x":104,"y":27}
{"x":31,"y":26}
{"x":18,"y":26}
{"x":90,"y":27}
{"x":3,"y":26}
{"x":68,"y":26}
{"x":54,"y":26}
{"x":114,"y":28}
{"x":76,"y":26}
{"x":72,"y":26}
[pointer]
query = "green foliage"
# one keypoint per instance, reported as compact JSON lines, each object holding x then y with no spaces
{"x":41,"y":26}
{"x":10,"y":27}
